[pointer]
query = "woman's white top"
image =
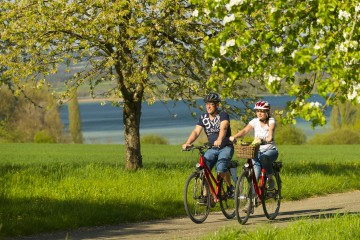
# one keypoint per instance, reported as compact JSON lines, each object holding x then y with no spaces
{"x":262,"y":132}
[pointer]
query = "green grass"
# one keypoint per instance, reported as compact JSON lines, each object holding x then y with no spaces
{"x":330,"y":228}
{"x":47,"y":187}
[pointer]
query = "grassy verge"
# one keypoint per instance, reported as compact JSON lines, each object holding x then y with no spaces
{"x":47,"y":187}
{"x":339,"y":227}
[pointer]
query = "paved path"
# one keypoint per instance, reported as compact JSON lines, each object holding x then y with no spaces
{"x":184,"y":228}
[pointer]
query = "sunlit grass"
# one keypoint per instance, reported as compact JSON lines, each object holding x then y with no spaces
{"x":47,"y":187}
{"x":324,"y":227}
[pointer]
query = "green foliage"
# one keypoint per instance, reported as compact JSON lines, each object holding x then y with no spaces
{"x":339,"y":136}
{"x":77,"y":185}
{"x":153,"y":139}
{"x":289,"y":135}
{"x":33,"y":116}
{"x":292,"y":47}
{"x":43,"y":137}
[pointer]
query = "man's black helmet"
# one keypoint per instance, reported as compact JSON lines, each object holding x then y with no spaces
{"x":212,"y":97}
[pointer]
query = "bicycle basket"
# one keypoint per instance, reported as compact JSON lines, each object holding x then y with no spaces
{"x":249,"y":151}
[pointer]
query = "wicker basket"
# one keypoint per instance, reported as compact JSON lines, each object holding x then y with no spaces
{"x":247,"y":151}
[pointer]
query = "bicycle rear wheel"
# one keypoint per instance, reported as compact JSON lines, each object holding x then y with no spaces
{"x":271,"y":199}
{"x":243,"y":197}
{"x":195,"y":189}
{"x":227,"y":203}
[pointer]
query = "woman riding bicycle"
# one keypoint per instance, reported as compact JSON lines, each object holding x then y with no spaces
{"x":216,"y":124}
{"x":264,"y":129}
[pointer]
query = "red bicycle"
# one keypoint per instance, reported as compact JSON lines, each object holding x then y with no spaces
{"x":250,"y":193}
{"x":202,"y":191}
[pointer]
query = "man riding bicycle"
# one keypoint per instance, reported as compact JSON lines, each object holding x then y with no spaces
{"x":216,"y":124}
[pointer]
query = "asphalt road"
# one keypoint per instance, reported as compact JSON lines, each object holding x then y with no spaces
{"x":184,"y":228}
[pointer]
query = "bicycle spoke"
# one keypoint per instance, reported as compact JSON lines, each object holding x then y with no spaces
{"x":243,"y":200}
{"x":227,"y":204}
{"x":197,"y":205}
{"x":271,"y":199}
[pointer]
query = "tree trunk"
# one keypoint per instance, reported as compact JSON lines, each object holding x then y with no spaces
{"x":131,"y":118}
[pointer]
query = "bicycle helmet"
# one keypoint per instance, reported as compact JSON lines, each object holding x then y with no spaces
{"x":264,"y":105}
{"x":212,"y":97}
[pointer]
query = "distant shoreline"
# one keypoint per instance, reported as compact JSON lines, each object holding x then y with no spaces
{"x":91,"y":100}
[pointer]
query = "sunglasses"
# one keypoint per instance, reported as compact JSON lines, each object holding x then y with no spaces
{"x":261,"y":110}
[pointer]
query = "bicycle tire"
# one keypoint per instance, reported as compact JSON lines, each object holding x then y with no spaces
{"x":271,"y":200}
{"x":193,"y":191}
{"x":243,"y":196}
{"x":227,"y":204}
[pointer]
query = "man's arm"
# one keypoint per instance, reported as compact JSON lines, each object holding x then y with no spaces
{"x":223,"y":129}
{"x":193,"y":136}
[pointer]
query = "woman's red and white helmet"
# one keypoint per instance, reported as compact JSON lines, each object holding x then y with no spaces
{"x":263,"y":105}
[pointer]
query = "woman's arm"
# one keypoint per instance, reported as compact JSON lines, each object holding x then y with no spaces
{"x":270,"y":136}
{"x":241,"y":133}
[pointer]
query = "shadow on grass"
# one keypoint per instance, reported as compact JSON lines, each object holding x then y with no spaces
{"x":22,"y":217}
{"x":313,"y":214}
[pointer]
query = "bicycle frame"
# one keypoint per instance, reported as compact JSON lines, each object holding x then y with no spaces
{"x":203,"y":185}
{"x":258,"y":190}
{"x":210,"y":179}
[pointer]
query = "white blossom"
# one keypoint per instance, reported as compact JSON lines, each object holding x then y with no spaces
{"x":343,"y":48}
{"x":250,"y":69}
{"x":273,"y":9}
{"x":352,"y":44}
{"x":279,"y":49}
{"x":195,"y":13}
{"x":223,"y":50}
{"x":214,"y":62}
{"x":357,"y":8}
{"x":344,"y":15}
{"x":206,"y":11}
{"x":293,"y":53}
{"x":318,"y":46}
{"x":230,"y":43}
{"x":285,"y":29}
{"x":273,"y":79}
{"x":354,"y":93}
{"x":228,"y":19}
{"x":233,"y":3}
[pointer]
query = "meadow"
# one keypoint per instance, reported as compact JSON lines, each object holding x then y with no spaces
{"x":49,"y":187}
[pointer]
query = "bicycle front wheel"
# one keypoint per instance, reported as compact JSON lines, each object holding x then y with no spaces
{"x":227,"y":203}
{"x":197,"y":198}
{"x":243,"y":197}
{"x":271,"y":199}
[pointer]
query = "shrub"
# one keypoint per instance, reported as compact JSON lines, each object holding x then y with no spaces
{"x":153,"y":139}
{"x":43,"y":137}
{"x":289,"y":135}
{"x":340,"y":136}
{"x":21,"y":119}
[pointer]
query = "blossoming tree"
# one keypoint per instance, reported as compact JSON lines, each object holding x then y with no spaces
{"x":142,"y":50}
{"x":280,"y":46}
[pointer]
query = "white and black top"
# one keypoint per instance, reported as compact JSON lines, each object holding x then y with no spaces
{"x":212,"y":127}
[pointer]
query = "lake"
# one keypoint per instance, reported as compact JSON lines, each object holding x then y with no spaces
{"x":104,"y":124}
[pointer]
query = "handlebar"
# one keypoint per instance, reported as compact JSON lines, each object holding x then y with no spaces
{"x":200,"y":148}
